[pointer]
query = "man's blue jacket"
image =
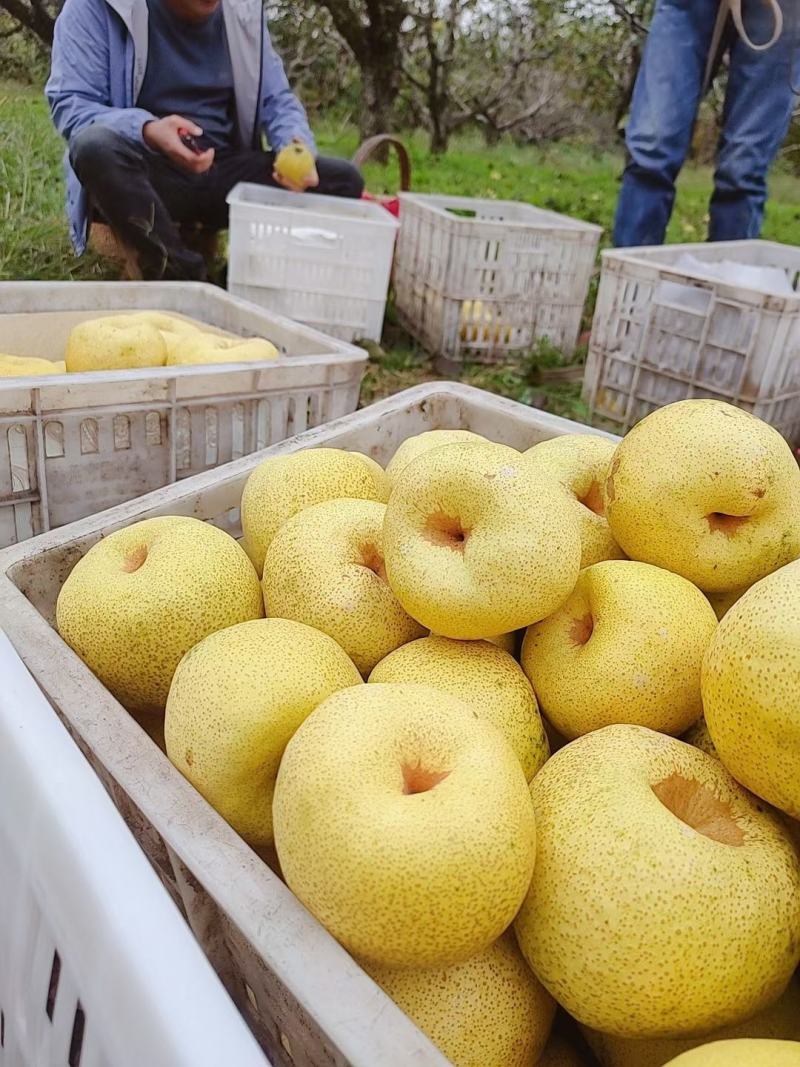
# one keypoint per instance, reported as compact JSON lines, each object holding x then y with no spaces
{"x":99,"y":60}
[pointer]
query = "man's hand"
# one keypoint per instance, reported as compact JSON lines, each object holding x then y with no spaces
{"x":309,"y":181}
{"x":162,"y":136}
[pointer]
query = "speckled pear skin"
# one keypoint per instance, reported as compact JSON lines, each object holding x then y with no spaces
{"x":580,"y":462}
{"x":558,"y":1052}
{"x":708,"y":491}
{"x":612,"y":925}
{"x":114,"y":342}
{"x":281,"y":486}
{"x":480,"y":674}
{"x":751,"y":689}
{"x":143,"y":596}
{"x":325,"y":567}
{"x":489,"y":1011}
{"x":236,"y":700}
{"x":741,"y":1053}
{"x":421,"y":443}
{"x":779,"y":1021}
{"x":627,"y":646}
{"x":403,"y":822}
{"x":476,"y":544}
{"x":698,"y":735}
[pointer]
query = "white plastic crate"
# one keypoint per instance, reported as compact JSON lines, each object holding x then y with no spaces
{"x":305,"y":997}
{"x":97,"y":967}
{"x":475,"y":280}
{"x":662,"y":334}
{"x":323,"y":260}
{"x":71,"y":445}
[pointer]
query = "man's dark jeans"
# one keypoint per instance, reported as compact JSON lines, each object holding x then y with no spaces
{"x":758,"y":106}
{"x":146,"y":199}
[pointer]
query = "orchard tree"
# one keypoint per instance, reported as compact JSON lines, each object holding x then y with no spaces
{"x":371,"y":30}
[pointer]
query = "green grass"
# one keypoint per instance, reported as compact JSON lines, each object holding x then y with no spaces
{"x":575,"y":179}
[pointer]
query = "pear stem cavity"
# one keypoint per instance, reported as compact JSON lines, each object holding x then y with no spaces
{"x":134,"y":559}
{"x":593,"y":499}
{"x":581,"y":629}
{"x":419,"y":780}
{"x":445,"y":530}
{"x":372,"y":559}
{"x":719,"y":522}
{"x":696,"y":806}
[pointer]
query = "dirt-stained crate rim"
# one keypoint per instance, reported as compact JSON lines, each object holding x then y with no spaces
{"x":323,"y":1010}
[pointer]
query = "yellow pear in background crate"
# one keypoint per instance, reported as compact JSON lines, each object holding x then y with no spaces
{"x":476,"y":324}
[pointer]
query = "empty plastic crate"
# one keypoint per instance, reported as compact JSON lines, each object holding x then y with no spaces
{"x":476,"y":280}
{"x":74,"y":444}
{"x":323,"y":260}
{"x":663,"y":332}
{"x":305,"y":997}
{"x":97,"y":966}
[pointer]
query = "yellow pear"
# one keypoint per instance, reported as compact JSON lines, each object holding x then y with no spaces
{"x":236,"y":700}
{"x":508,"y":642}
{"x":325,"y":568}
{"x":143,"y":596}
{"x":115,"y":342}
{"x":751,"y":689}
{"x":164,"y":322}
{"x":412,"y":447}
{"x":558,"y":1052}
{"x":580,"y":463}
{"x":481,"y":674}
{"x":281,"y":486}
{"x":489,"y":1011}
{"x":27,"y":366}
{"x":781,"y":1020}
{"x":708,"y":491}
{"x":627,"y":646}
{"x":475,"y":545}
{"x":699,"y":736}
{"x":404,"y":824}
{"x":723,"y":602}
{"x":665,"y":901}
{"x":741,"y":1053}
{"x":212,"y":348}
{"x":295,"y":163}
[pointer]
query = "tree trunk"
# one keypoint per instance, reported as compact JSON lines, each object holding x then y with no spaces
{"x":33,"y":17}
{"x":379,"y":86}
{"x":491,"y":134}
{"x":440,"y":137}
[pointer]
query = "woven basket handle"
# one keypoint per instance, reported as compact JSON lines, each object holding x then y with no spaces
{"x":366,"y":150}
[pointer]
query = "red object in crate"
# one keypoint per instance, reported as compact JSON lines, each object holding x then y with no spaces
{"x":391,"y":203}
{"x":367,"y":150}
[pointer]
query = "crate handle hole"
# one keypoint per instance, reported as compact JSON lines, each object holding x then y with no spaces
{"x":52,"y":987}
{"x":76,"y":1041}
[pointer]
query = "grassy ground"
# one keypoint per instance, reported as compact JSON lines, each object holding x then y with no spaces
{"x":576,"y":180}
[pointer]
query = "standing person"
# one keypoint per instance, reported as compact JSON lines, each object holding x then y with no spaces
{"x":687,"y":37}
{"x":163,"y":105}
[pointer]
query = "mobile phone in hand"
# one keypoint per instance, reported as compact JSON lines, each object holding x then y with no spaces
{"x":190,"y":141}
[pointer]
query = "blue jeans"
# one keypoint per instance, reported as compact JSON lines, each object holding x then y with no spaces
{"x":758,"y":107}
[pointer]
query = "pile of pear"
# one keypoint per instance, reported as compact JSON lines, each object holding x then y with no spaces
{"x":140,"y":339}
{"x":520,"y":727}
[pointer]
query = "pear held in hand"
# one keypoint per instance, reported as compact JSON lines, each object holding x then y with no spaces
{"x":295,"y":166}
